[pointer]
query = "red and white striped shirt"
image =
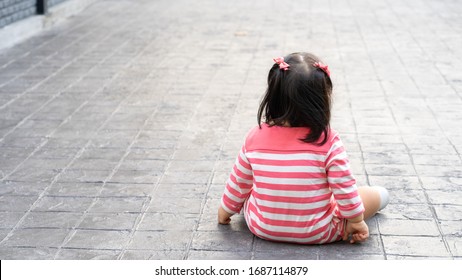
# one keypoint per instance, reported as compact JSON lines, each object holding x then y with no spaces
{"x":292,"y":191}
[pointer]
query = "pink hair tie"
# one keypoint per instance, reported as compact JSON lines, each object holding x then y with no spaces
{"x":323,"y":67}
{"x":282,"y":65}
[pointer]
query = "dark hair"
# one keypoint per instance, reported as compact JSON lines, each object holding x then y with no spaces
{"x":299,"y":97}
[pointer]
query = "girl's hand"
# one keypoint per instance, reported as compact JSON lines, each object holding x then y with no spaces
{"x":359,"y":231}
{"x":224,"y":217}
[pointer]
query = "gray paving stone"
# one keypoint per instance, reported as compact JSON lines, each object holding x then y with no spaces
{"x":406,"y":211}
{"x":432,"y":258}
{"x":38,"y":128}
{"x":344,"y":250}
{"x":97,"y":239}
{"x":61,"y":147}
{"x":276,"y":250}
{"x":85,"y":254}
{"x":47,"y":164}
{"x":454,"y":245}
{"x":14,"y":253}
{"x":153,"y":255}
{"x":413,"y":246}
{"x":60,"y":220}
{"x":74,"y":189}
{"x":83,"y":176}
{"x":407,"y":196}
{"x":445,"y":197}
{"x":395,"y":182}
{"x":208,"y":222}
{"x":185,"y":178}
{"x":179,"y":205}
{"x":372,"y":223}
{"x":152,"y":165}
{"x":286,"y":255}
{"x":181,"y":190}
{"x":118,"y":205}
{"x":408,"y":227}
{"x":170,"y":221}
{"x":60,"y":204}
{"x":9,"y":219}
{"x":25,"y":174}
{"x":111,"y":125}
{"x":154,"y":154}
{"x":16,"y":203}
{"x":215,"y":191}
{"x":37,"y":237}
{"x":190,"y":166}
{"x":160,"y":240}
{"x":385,"y":148}
{"x":7,"y":167}
{"x":221,"y":178}
{"x":390,"y":169}
{"x":15,"y":188}
{"x":108,"y":221}
{"x":222,"y":241}
{"x":4,"y":233}
{"x":439,"y":171}
{"x":450,"y":229}
{"x":387,"y":158}
{"x":196,"y":154}
{"x":440,"y":159}
{"x":432,"y":150}
{"x":126,"y":190}
{"x":14,"y":155}
{"x":448,"y":212}
{"x":442,"y":183}
{"x":93,"y":164}
{"x":109,"y":154}
{"x":218,"y":255}
{"x":135,"y":177}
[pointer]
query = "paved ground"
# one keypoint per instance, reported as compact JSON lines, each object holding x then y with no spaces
{"x":119,"y":127}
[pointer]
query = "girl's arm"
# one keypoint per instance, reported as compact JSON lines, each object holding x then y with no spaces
{"x":343,"y":186}
{"x":342,"y":183}
{"x":237,"y":189}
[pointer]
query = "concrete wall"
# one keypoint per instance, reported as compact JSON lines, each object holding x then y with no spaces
{"x":19,"y":19}
{"x":15,"y":10}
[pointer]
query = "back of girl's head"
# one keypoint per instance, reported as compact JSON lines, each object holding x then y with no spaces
{"x":299,"y":96}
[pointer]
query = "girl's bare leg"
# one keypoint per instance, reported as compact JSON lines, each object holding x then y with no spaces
{"x":374,"y":199}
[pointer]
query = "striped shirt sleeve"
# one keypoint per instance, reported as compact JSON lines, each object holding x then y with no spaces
{"x":239,"y":185}
{"x":341,"y":181}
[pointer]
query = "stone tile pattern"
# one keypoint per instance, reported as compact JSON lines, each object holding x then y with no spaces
{"x":118,"y":128}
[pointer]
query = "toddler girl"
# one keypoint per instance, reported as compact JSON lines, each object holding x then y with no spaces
{"x":292,"y":177}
